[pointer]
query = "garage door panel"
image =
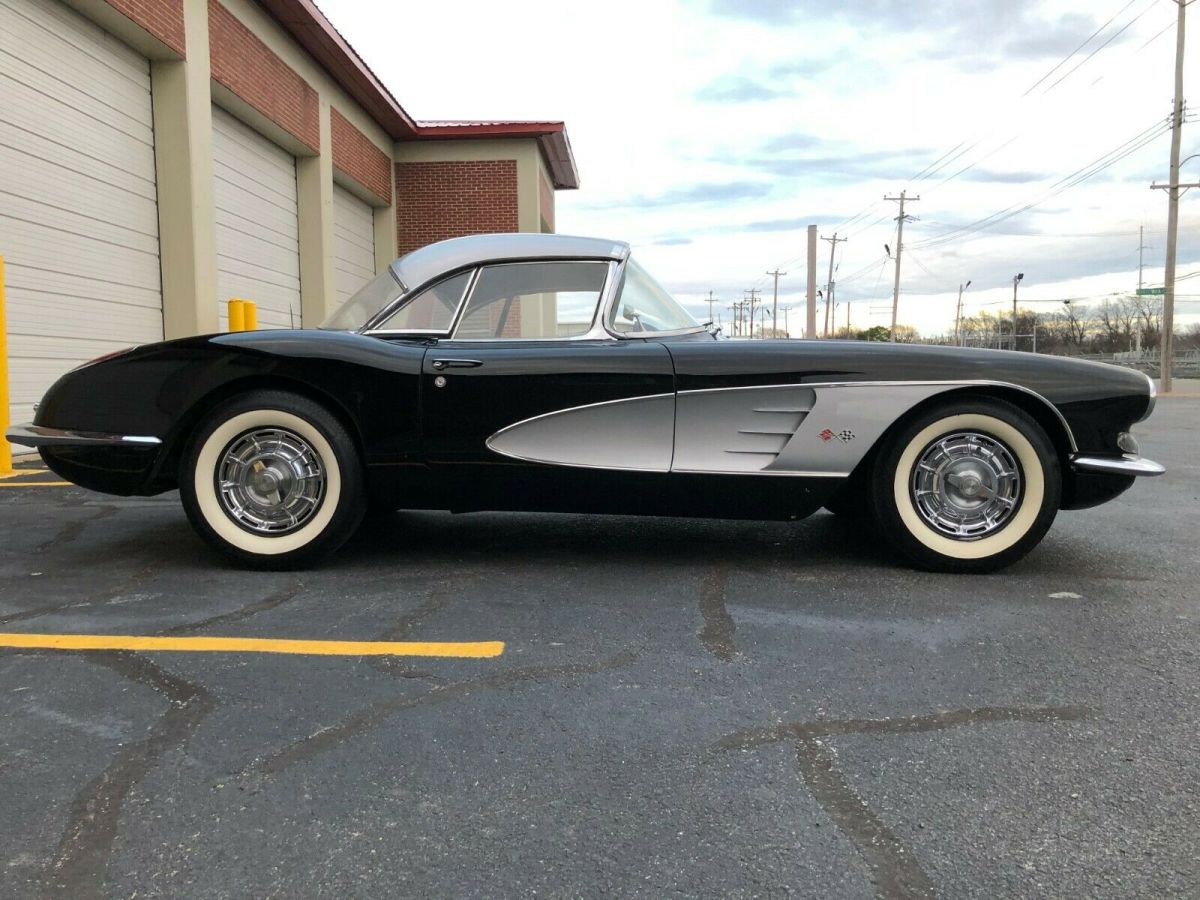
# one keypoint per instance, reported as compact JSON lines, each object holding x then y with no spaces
{"x":58,"y":188}
{"x":132,"y":237}
{"x":40,"y":247}
{"x":75,"y":106}
{"x":81,"y":74}
{"x":62,"y":285}
{"x":257,"y":236}
{"x":354,"y":242}
{"x":249,"y":255}
{"x":80,"y":318}
{"x":269,"y":166}
{"x":108,"y":155}
{"x":239,"y":227}
{"x":254,"y":213}
{"x":78,"y":206}
{"x":266,"y":177}
{"x":86,"y":36}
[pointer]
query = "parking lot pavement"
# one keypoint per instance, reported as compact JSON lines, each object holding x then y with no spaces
{"x":680,"y":708}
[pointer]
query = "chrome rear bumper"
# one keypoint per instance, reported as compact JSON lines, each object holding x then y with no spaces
{"x":41,"y":436}
{"x":1117,"y":465}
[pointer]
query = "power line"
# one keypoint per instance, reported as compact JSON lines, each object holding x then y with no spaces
{"x":1111,"y":38}
{"x":1079,"y":176}
{"x":1062,"y":62}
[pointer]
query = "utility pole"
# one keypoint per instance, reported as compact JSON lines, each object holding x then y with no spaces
{"x":775,"y":303}
{"x":833,"y":242}
{"x":903,"y":198}
{"x":1016,"y":280}
{"x":958,"y":314}
{"x":710,"y":307}
{"x":1141,"y":247}
{"x":1167,"y":344}
{"x":810,"y":312}
{"x":787,"y":328}
{"x":753,"y":293}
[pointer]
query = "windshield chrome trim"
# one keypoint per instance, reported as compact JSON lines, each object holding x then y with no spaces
{"x":637,"y":335}
{"x":396,"y":305}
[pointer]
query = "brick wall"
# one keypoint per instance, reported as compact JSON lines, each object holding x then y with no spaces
{"x":245,"y":65}
{"x":162,"y":18}
{"x":439,"y":200}
{"x":358,"y":157}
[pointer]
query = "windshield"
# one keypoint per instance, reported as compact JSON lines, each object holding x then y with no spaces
{"x":643,"y":305}
{"x":362,"y":307}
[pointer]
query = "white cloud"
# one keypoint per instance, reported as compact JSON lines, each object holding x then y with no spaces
{"x":709,"y":139}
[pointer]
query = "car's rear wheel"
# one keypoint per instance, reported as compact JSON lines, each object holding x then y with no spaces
{"x":273,"y":480}
{"x":967,"y":486}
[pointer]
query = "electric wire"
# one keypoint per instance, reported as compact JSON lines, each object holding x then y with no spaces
{"x":1084,"y":173}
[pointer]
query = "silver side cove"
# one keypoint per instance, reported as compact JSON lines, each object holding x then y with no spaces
{"x":813,"y":430}
{"x":823,"y":430}
{"x":634,"y":434}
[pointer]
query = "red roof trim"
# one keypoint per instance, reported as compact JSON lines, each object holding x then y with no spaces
{"x":316,"y":34}
{"x":551,"y":137}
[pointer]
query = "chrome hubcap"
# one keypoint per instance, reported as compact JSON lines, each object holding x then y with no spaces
{"x":270,"y":481}
{"x":966,"y":485}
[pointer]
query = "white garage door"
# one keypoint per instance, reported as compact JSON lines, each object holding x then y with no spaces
{"x":353,"y":242}
{"x":78,"y":205}
{"x":258,"y":250}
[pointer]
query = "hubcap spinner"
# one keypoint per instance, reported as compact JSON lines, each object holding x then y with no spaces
{"x":270,"y":481}
{"x":966,"y":485}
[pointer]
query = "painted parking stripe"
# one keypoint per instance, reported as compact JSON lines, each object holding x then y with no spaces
{"x":21,"y":472}
{"x":4,"y":484}
{"x":470,"y":649}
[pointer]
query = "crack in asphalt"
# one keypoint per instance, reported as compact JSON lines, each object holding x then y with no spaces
{"x":365,"y":719}
{"x":277,"y":599}
{"x":85,"y":847}
{"x":122,"y":587}
{"x":72,"y":530}
{"x":717,"y":633}
{"x":81,"y":863}
{"x":895,"y":871}
{"x":402,"y":627}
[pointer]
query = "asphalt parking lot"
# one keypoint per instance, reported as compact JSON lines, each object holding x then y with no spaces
{"x":681,"y":708}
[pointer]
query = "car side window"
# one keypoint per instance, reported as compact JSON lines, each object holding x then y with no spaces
{"x":533,"y":301}
{"x":432,"y":310}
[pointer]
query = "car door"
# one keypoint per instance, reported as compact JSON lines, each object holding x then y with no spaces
{"x":531,"y":393}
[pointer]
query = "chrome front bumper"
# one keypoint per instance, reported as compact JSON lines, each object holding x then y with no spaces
{"x":1117,"y":465}
{"x":41,"y":436}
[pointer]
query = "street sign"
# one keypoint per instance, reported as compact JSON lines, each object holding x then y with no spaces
{"x":1151,"y":292}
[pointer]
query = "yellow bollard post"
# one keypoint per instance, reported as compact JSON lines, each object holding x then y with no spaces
{"x":5,"y":448}
{"x":251,"y":322}
{"x":237,"y":314}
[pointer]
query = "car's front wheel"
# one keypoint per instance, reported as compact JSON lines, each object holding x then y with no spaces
{"x":273,"y":480}
{"x":967,"y":486}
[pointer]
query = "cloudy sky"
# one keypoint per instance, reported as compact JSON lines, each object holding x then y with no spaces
{"x":710,"y":134}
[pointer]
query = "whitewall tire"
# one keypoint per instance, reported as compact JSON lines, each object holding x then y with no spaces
{"x":967,"y":486}
{"x":273,"y":480}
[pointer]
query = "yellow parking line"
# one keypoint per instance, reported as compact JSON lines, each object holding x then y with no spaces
{"x":473,"y":650}
{"x":35,"y":484}
{"x":18,"y":473}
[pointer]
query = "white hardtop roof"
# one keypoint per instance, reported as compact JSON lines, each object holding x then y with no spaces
{"x":427,"y":263}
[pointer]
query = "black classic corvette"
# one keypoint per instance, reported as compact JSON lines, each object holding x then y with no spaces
{"x":544,"y":372}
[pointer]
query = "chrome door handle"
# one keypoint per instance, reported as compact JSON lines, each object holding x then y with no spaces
{"x":440,"y":364}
